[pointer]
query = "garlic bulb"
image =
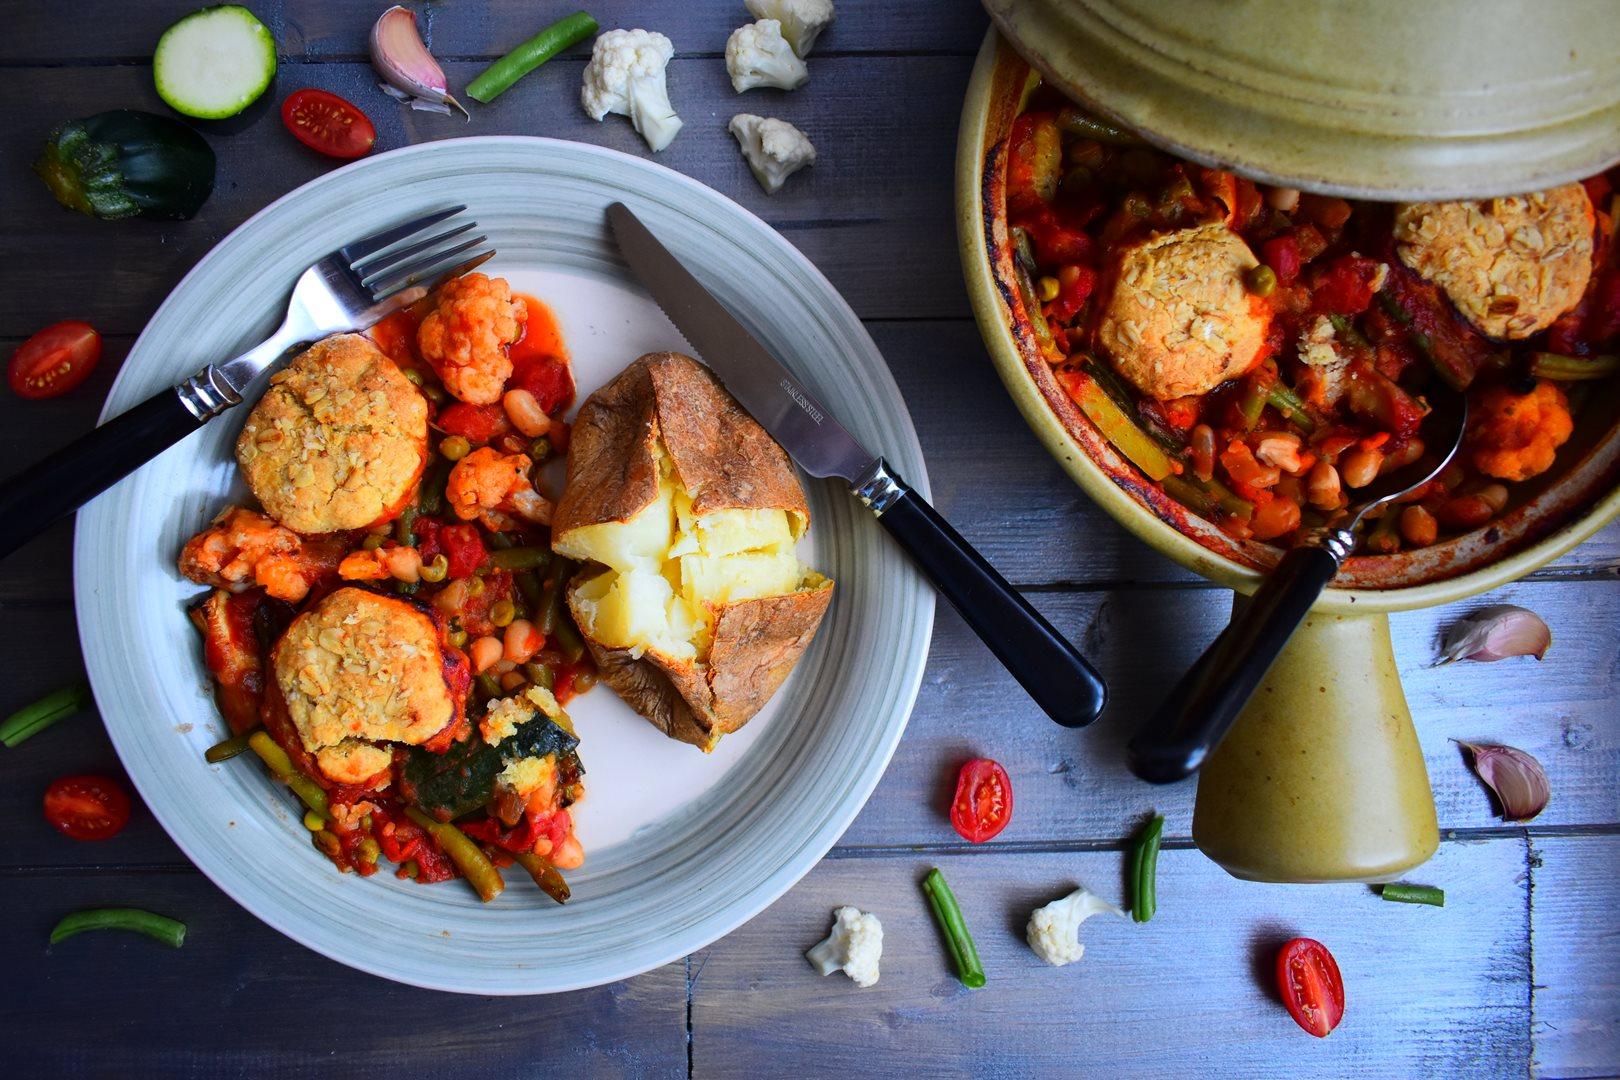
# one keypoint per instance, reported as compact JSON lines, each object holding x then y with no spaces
{"x":409,"y":70}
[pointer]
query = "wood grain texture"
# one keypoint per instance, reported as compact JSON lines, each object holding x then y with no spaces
{"x":1430,"y":992}
{"x":240,"y":1000}
{"x":1575,"y":947}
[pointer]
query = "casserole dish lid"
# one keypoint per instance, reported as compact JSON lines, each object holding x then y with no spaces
{"x":1369,"y":98}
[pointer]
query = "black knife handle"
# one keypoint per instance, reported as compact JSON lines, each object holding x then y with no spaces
{"x":44,"y":493}
{"x":1056,"y":676}
{"x":1201,"y":708}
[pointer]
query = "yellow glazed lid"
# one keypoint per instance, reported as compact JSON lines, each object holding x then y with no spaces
{"x":1392,"y":99}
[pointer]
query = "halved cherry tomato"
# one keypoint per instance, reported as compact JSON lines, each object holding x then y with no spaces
{"x":87,"y":807}
{"x":328,"y":124}
{"x":984,"y":800}
{"x":1308,"y":979}
{"x":475,"y":423}
{"x":55,"y":360}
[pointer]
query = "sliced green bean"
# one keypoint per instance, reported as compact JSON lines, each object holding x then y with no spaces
{"x":1561,"y":368}
{"x":1291,"y":405}
{"x":957,"y":939}
{"x":226,"y":749}
{"x":1087,"y":126}
{"x":430,"y":496}
{"x":496,"y":79}
{"x":1413,"y":894}
{"x":405,"y":527}
{"x":1145,"y":870}
{"x":171,"y":932}
{"x":488,"y":685}
{"x":520,"y":558}
{"x":569,"y":643}
{"x":528,"y":585}
{"x":548,"y":877}
{"x":30,"y":720}
{"x":472,"y":862}
{"x":308,"y":791}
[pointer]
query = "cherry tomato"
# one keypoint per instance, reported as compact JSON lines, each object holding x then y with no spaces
{"x":328,"y":124}
{"x":476,"y":423}
{"x":1281,"y":253}
{"x":55,"y":360}
{"x":1308,"y":979}
{"x":87,"y":807}
{"x":984,"y":800}
{"x":548,"y":378}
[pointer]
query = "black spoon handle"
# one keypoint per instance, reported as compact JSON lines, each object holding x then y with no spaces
{"x":1044,"y":663}
{"x":44,"y":493}
{"x":1201,"y":708}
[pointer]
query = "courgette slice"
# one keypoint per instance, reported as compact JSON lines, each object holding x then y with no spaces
{"x":214,"y":63}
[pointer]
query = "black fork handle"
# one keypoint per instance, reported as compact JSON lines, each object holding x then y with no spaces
{"x":44,"y":493}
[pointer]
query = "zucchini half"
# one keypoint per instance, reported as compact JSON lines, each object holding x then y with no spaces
{"x":125,"y":163}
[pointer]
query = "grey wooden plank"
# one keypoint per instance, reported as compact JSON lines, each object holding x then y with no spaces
{"x":1429,"y":992}
{"x":240,"y":1000}
{"x":871,"y":214}
{"x":1575,"y":946}
{"x":1072,"y":787}
{"x":112,"y":29}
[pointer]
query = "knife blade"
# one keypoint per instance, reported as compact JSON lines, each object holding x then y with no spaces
{"x":1055,"y":674}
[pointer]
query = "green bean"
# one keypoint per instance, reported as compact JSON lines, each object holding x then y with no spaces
{"x":1188,"y":494}
{"x":566,"y":635}
{"x":30,"y":720}
{"x":1087,"y":126}
{"x":226,"y":749}
{"x":488,"y":685}
{"x":1285,"y":401}
{"x":171,"y":932}
{"x":1561,"y":368}
{"x":957,"y":939}
{"x":499,"y":541}
{"x":540,"y":674}
{"x":1413,"y":894}
{"x":472,"y":862}
{"x":1347,"y":330}
{"x":1252,"y":400}
{"x":307,"y":790}
{"x":520,"y":558}
{"x":528,"y":585}
{"x":405,"y":527}
{"x":1145,"y":870}
{"x":1224,"y":497}
{"x":496,"y":79}
{"x":1044,"y":342}
{"x":430,"y":496}
{"x":548,"y":877}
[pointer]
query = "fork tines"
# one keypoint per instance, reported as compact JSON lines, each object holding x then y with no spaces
{"x":398,"y":258}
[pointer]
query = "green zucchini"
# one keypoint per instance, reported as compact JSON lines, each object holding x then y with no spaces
{"x":214,"y":63}
{"x":123,"y":164}
{"x":462,"y":779}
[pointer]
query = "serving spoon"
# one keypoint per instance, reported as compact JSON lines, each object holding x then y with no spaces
{"x":1201,"y":708}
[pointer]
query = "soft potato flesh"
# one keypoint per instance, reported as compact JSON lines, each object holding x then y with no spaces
{"x":669,"y":572}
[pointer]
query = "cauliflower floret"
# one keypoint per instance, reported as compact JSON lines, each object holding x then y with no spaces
{"x":775,"y":149}
{"x":1054,"y":930}
{"x":465,"y":336}
{"x":626,"y":77}
{"x":494,"y":488}
{"x":242,"y":548}
{"x":1516,"y":436}
{"x":802,"y":20}
{"x":854,"y":947}
{"x":758,"y":55}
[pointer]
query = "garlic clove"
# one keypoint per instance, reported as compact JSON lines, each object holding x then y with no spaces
{"x":402,"y":59}
{"x":1514,"y":777}
{"x":1496,"y":633}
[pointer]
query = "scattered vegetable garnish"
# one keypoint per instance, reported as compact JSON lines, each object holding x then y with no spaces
{"x":1308,"y":979}
{"x":1413,"y":894}
{"x":565,"y":33}
{"x":30,"y":720}
{"x":1054,"y":930}
{"x":854,"y":947}
{"x":328,"y":124}
{"x":802,"y":20}
{"x":214,"y":63}
{"x":87,"y":807}
{"x":1496,"y":633}
{"x":957,"y":939}
{"x":984,"y":801}
{"x":774,"y":149}
{"x":409,"y":71}
{"x":626,"y":76}
{"x":1514,"y":777}
{"x":757,"y":55}
{"x":157,"y":927}
{"x":125,"y":163}
{"x":1145,"y":870}
{"x":55,"y":360}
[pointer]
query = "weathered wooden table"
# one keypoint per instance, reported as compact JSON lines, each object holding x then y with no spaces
{"x":1519,"y":972}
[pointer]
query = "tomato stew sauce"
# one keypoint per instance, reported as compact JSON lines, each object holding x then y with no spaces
{"x":1262,"y":353}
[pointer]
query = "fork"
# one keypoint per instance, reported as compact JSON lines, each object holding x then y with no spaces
{"x":353,"y":288}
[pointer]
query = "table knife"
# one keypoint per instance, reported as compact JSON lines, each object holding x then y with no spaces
{"x":1054,"y":673}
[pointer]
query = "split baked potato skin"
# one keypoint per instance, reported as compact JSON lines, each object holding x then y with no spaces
{"x":666,"y":419}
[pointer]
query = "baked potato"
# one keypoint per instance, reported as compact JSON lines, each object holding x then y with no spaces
{"x":685,"y":513}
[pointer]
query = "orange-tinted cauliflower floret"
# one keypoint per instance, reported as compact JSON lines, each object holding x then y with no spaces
{"x":466,"y":334}
{"x":243,"y":548}
{"x":1515,"y":436}
{"x":494,"y":488}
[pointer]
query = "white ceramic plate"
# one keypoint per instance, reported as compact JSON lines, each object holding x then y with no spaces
{"x":681,"y":848}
